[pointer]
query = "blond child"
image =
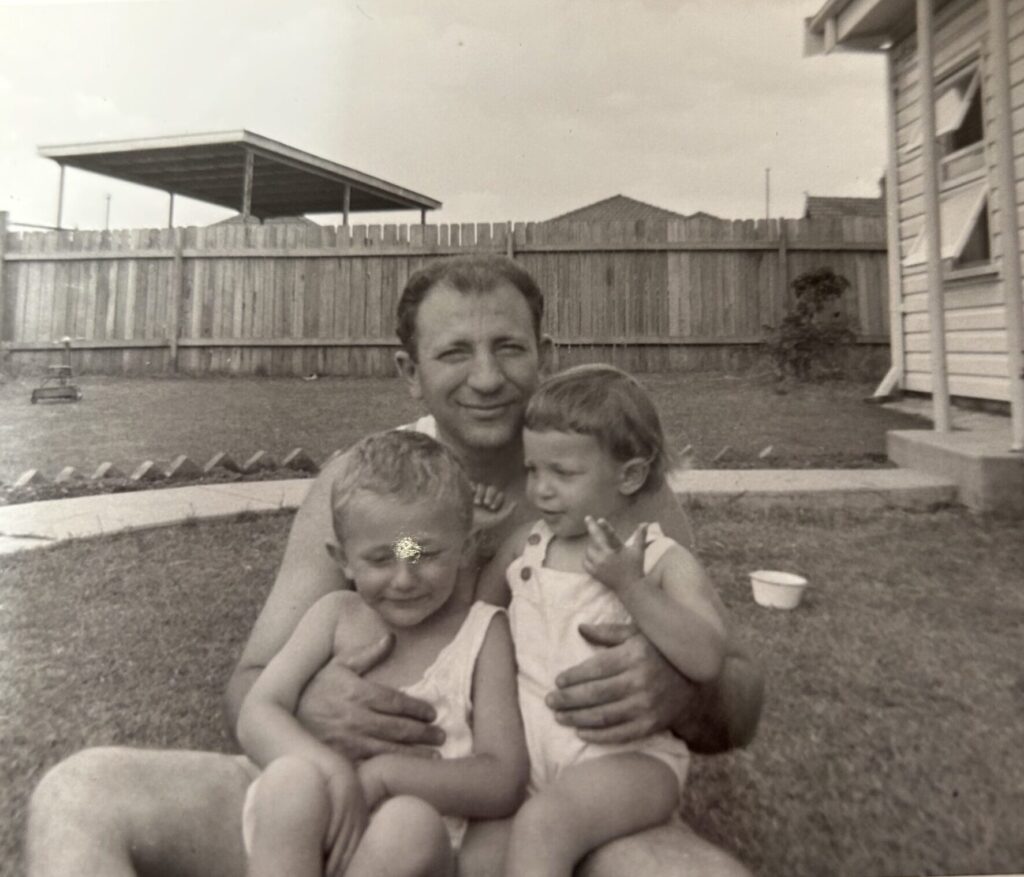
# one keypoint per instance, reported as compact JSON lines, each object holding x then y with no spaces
{"x":402,"y":511}
{"x":593,"y":444}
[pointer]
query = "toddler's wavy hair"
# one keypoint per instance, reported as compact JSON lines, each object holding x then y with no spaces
{"x":405,"y":465}
{"x":608,"y":404}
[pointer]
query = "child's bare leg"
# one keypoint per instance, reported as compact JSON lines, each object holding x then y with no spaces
{"x":291,"y":820}
{"x":484,"y":848}
{"x":588,"y":805}
{"x":406,"y":837}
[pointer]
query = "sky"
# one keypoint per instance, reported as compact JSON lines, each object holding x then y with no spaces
{"x":501,"y":109}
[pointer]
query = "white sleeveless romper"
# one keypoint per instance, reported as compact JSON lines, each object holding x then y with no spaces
{"x":447,"y":685}
{"x":548,"y":605}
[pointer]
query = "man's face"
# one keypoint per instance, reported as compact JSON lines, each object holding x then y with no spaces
{"x":478,"y":364}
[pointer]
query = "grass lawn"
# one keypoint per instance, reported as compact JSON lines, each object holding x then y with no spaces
{"x":128,"y":420}
{"x":890,"y":741}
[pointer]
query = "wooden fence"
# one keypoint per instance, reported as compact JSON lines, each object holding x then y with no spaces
{"x":300,"y":299}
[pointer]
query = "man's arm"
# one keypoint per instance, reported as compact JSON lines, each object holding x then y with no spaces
{"x":357,"y":717}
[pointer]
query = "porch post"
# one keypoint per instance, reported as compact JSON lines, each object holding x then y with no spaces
{"x":1009,"y":230}
{"x":892,"y":229}
{"x":932,"y":228}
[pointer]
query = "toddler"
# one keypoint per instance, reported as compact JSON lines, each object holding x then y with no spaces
{"x":402,"y":510}
{"x":593,"y":444}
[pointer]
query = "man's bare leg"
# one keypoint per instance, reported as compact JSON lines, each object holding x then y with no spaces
{"x":674,"y":850}
{"x":121,"y":812}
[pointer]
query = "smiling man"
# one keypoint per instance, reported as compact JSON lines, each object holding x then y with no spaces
{"x":473,"y":353}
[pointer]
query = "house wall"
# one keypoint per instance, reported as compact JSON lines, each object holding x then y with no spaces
{"x":975,"y":317}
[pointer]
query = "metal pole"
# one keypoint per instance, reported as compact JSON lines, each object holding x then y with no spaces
{"x":767,"y":193}
{"x":247,"y":185}
{"x":60,"y":197}
{"x":106,"y":219}
{"x":1009,"y":231}
{"x":346,"y":201}
{"x":423,"y":216}
{"x":170,"y":211}
{"x":3,"y":248}
{"x":932,"y":226}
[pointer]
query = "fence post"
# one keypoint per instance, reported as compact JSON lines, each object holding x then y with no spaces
{"x":3,"y":250}
{"x":780,"y":305}
{"x":177,"y":284}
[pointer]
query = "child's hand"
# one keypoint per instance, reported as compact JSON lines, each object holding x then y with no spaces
{"x":371,"y":778}
{"x":349,"y":817}
{"x":610,"y":561}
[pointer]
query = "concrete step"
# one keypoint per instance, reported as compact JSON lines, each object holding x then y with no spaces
{"x":816,"y":488}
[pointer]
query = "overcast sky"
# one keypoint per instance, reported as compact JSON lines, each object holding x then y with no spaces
{"x":516,"y":110}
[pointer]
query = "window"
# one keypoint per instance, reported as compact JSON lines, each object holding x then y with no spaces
{"x":959,"y":125}
{"x":963,"y":217}
{"x":963,"y":195}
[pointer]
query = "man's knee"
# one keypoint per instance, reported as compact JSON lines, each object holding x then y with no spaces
{"x":73,"y":791}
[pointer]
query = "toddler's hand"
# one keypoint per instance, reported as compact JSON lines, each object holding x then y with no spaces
{"x":610,"y":561}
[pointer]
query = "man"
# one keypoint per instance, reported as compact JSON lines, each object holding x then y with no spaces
{"x":472,"y":353}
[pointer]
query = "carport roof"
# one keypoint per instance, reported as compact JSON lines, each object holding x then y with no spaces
{"x":211,"y":168}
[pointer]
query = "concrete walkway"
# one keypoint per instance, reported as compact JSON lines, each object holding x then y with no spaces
{"x":42,"y":524}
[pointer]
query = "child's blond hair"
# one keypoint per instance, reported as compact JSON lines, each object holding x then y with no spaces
{"x":405,"y":465}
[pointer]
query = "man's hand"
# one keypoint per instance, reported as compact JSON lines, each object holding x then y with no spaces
{"x":624,"y":692}
{"x":613,"y":563}
{"x":361,"y":719}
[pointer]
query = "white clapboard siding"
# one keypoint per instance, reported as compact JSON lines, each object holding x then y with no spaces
{"x":974,"y":307}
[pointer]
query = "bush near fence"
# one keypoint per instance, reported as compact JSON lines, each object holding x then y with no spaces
{"x":300,"y":299}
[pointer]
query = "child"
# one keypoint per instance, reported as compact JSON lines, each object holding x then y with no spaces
{"x":593,"y":444}
{"x":402,"y":512}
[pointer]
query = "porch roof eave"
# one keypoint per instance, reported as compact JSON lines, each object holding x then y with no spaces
{"x":857,"y":25}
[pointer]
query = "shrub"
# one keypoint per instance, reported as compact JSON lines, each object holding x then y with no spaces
{"x":808,"y":342}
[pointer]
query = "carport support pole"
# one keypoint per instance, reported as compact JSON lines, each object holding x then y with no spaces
{"x":170,"y":211}
{"x":423,"y":216}
{"x":346,"y":203}
{"x":60,"y":197}
{"x":3,"y":249}
{"x":1010,"y":231}
{"x":247,"y":185}
{"x":933,"y":231}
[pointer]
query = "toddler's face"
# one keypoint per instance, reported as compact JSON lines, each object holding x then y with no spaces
{"x":402,"y":557}
{"x":570,"y":476}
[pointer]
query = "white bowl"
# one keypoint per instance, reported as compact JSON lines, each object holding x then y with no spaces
{"x":778,"y":590}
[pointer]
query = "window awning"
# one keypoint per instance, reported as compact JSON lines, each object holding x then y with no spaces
{"x":959,"y":210}
{"x":212,"y":167}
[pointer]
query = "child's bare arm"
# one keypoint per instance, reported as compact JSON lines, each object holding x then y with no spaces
{"x":491,"y":782}
{"x":267,"y":727}
{"x":675,"y":605}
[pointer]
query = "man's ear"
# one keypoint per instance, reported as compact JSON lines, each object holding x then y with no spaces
{"x":633,"y":475}
{"x":546,"y":353}
{"x":410,"y":373}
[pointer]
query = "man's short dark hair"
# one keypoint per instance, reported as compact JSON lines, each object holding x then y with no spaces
{"x":466,"y":274}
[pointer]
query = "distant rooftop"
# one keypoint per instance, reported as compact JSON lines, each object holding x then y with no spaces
{"x":821,"y":207}
{"x":282,"y":180}
{"x":624,"y":208}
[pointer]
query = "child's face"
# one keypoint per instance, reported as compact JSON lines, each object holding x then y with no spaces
{"x":570,"y":476}
{"x":403,"y":557}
